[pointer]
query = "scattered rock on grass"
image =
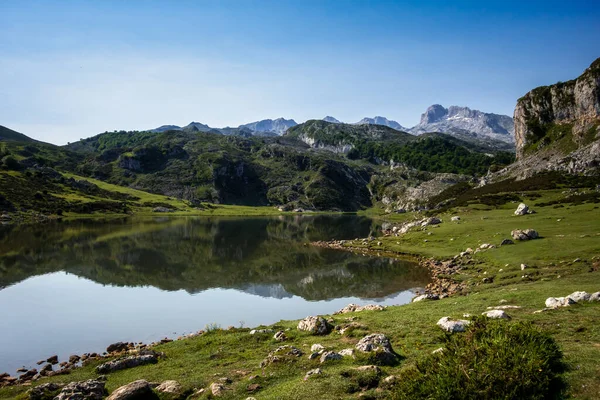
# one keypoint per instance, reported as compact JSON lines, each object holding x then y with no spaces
{"x":312,"y":372}
{"x":555,"y":302}
{"x":380,"y":346}
{"x":280,"y":354}
{"x":526,"y":234}
{"x":506,"y":242}
{"x":44,"y":391}
{"x":450,"y":325}
{"x":255,"y":331}
{"x":496,"y":314}
{"x":89,"y":390}
{"x":427,"y":296}
{"x":455,"y":218}
{"x":579,"y":296}
{"x":217,"y":389}
{"x":315,"y":325}
{"x":522,"y":209}
{"x":128,"y":362}
{"x":357,"y":308}
{"x":330,"y":356}
{"x":280,"y":336}
{"x":170,"y":387}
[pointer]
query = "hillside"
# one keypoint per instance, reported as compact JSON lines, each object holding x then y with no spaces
{"x":9,"y":134}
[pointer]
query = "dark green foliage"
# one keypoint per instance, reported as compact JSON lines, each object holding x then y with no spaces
{"x":492,"y":360}
{"x":11,"y":163}
{"x":9,"y":134}
{"x":576,"y":199}
{"x":357,"y":380}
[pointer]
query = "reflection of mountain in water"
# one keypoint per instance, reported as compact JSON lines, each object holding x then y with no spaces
{"x":276,"y":291}
{"x":264,"y":256}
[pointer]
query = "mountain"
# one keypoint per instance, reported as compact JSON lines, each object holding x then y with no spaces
{"x":465,"y":121}
{"x":9,"y":134}
{"x":382,"y":121}
{"x":278,"y":126}
{"x":557,"y":127}
{"x":332,"y":120}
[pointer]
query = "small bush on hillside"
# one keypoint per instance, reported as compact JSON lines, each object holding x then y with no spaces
{"x":492,"y":360}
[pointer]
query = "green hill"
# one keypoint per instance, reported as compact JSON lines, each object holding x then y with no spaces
{"x":9,"y":134}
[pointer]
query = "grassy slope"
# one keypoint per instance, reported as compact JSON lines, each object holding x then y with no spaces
{"x":199,"y":361}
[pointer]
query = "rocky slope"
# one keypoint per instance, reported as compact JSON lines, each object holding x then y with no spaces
{"x":465,"y":121}
{"x":278,"y":126}
{"x":557,"y":128}
{"x":265,"y":127}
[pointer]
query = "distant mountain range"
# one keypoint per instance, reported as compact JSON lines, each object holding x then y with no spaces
{"x":462,"y":122}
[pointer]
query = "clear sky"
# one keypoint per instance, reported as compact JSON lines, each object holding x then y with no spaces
{"x":72,"y":69}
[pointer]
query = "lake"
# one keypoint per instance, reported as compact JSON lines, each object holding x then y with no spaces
{"x":77,"y":286}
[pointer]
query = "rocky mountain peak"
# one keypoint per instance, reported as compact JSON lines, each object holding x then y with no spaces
{"x":434,"y":113}
{"x":331,"y":119}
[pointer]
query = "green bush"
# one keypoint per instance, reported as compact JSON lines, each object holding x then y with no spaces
{"x":492,"y":360}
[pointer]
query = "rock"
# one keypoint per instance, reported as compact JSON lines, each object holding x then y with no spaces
{"x":526,"y":234}
{"x":357,"y":308}
{"x":380,"y":345}
{"x":46,"y":369}
{"x":486,"y":246}
{"x":330,"y":356}
{"x":579,"y":296}
{"x":280,"y":354}
{"x":280,"y":336}
{"x":505,"y":307}
{"x":350,"y":327}
{"x":52,"y":360}
{"x":390,"y":380}
{"x":555,"y":302}
{"x":427,"y":296}
{"x":450,"y":325}
{"x":27,"y":376}
{"x":43,"y":392}
{"x":74,"y":359}
{"x":217,"y":389}
{"x":456,"y":218}
{"x":431,"y":221}
{"x":253,"y":387}
{"x":347,"y":353}
{"x":368,"y":368}
{"x":506,"y":242}
{"x":128,"y":362}
{"x":595,"y":296}
{"x":316,"y":347}
{"x":255,"y":331}
{"x":86,"y":390}
{"x":312,"y":372}
{"x":524,"y":267}
{"x":438,"y":351}
{"x":496,"y":314}
{"x":139,"y":389}
{"x":117,"y":347}
{"x":171,"y":387}
{"x":315,"y":325}
{"x":522,"y":209}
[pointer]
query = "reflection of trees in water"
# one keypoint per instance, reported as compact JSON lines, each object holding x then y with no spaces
{"x":260,"y":255}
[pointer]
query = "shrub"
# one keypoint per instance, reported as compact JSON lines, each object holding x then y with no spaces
{"x":492,"y":360}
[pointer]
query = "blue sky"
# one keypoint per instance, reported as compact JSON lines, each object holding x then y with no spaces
{"x":72,"y":69}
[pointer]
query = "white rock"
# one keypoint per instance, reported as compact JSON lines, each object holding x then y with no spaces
{"x":455,"y":218}
{"x":316,"y":347}
{"x":436,"y":351}
{"x":524,"y":267}
{"x":522,"y":209}
{"x":426,"y":296}
{"x":316,"y":371}
{"x":595,"y":296}
{"x":450,"y":325}
{"x":579,"y":296}
{"x":347,"y":353}
{"x":555,"y":302}
{"x":496,"y":314}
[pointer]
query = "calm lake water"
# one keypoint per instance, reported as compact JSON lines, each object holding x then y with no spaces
{"x":74,"y":287}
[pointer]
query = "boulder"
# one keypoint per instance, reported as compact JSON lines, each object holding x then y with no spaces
{"x":427,"y":296}
{"x":579,"y":296}
{"x":128,"y":362}
{"x":431,"y":221}
{"x":369,"y":368}
{"x":330,"y":356}
{"x":522,"y":209}
{"x":281,"y":354}
{"x":450,"y":325}
{"x":496,"y":314}
{"x":456,"y":218}
{"x":506,"y":242}
{"x":312,"y":372}
{"x":524,"y":267}
{"x":316,"y":347}
{"x":595,"y":296}
{"x":255,"y":331}
{"x":347,"y":353}
{"x":356,"y":308}
{"x":280,"y":336}
{"x":86,"y":390}
{"x":380,"y":346}
{"x":139,"y":389}
{"x":117,"y":347}
{"x":52,"y":360}
{"x":45,"y":391}
{"x":217,"y":389}
{"x":170,"y":387}
{"x":315,"y":325}
{"x":555,"y":302}
{"x":526,"y":234}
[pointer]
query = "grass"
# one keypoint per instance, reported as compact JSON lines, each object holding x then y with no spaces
{"x":552,"y":272}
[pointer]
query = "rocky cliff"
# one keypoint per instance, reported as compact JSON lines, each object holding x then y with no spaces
{"x":563,"y":117}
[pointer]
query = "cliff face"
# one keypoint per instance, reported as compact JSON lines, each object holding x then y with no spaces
{"x":565,"y":116}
